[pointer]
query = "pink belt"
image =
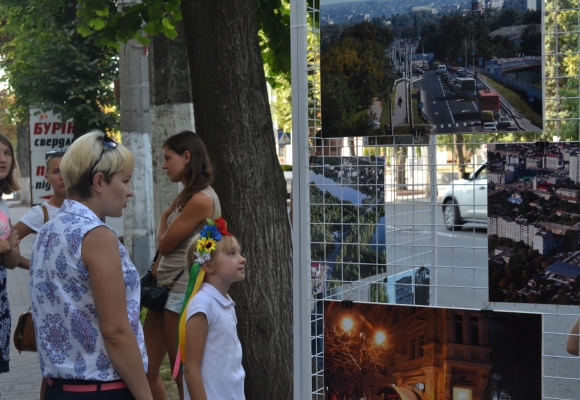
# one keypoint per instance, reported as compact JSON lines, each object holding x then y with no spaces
{"x":91,"y":387}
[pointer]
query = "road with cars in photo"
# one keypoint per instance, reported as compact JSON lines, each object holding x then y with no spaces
{"x":449,"y":113}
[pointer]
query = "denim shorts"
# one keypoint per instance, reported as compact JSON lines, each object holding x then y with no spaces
{"x":175,"y":302}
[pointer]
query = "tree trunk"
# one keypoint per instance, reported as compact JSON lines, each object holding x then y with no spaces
{"x":401,"y":168}
{"x":232,"y":116}
{"x":23,"y":149}
{"x":170,"y":108}
{"x":460,"y":154}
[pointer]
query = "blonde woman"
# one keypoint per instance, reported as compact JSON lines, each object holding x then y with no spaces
{"x":84,"y":288}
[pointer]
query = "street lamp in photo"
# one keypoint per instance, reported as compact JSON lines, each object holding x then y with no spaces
{"x":378,"y":340}
{"x":352,"y":343}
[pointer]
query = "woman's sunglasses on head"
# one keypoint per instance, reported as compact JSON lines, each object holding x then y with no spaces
{"x":108,"y":144}
{"x":53,"y":153}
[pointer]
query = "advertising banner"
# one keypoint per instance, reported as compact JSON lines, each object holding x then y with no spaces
{"x":47,"y":132}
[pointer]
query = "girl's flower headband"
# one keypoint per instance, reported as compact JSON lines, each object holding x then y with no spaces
{"x":208,"y":238}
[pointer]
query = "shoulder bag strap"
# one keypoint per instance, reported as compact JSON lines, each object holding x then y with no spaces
{"x":155,"y":260}
{"x":44,"y":212}
{"x":175,"y":279}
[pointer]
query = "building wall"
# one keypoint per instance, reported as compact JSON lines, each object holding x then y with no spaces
{"x":574,"y":169}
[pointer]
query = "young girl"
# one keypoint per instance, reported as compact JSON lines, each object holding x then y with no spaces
{"x":209,"y":347}
{"x":37,"y":216}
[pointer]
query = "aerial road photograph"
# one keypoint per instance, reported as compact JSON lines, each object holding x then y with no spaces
{"x":392,"y":67}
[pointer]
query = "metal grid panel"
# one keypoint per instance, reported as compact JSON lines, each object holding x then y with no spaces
{"x":562,"y":47}
{"x":414,"y":230}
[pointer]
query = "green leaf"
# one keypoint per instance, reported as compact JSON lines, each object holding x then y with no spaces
{"x":171,"y":34}
{"x":167,"y":24}
{"x":144,"y":40}
{"x":102,"y":13}
{"x":84,"y":30}
{"x":97,"y":24}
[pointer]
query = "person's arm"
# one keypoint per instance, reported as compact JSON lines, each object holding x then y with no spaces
{"x":23,"y":231}
{"x":100,"y":253}
{"x":197,"y":209}
{"x":9,"y":250}
{"x":573,"y":341}
{"x":196,"y":335}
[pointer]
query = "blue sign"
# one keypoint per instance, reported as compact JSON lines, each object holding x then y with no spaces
{"x":420,"y":104}
{"x":284,"y":138}
{"x":460,"y":59}
{"x":479,"y":61}
{"x":490,"y":63}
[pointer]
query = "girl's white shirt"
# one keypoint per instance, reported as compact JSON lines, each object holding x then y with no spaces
{"x":221,"y":367}
{"x":34,"y":218}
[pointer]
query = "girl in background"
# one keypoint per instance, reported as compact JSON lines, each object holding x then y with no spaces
{"x":9,"y":252}
{"x":37,"y":216}
{"x":186,"y":161}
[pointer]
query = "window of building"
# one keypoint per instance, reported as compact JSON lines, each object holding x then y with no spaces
{"x":458,"y":328}
{"x":421,"y":343}
{"x":474,"y":320}
{"x":413,"y":348}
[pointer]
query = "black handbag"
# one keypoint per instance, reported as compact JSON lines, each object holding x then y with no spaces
{"x":153,"y":296}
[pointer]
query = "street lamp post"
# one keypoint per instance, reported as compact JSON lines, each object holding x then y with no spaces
{"x":347,"y":324}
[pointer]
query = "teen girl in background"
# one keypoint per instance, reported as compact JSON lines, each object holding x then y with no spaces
{"x":186,"y":161}
{"x":37,"y":216}
{"x":9,"y":252}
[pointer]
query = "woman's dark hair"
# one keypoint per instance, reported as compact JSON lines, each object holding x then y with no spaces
{"x":10,"y":183}
{"x":198,"y":172}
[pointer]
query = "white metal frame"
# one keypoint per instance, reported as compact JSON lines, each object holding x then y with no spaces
{"x":452,"y":286}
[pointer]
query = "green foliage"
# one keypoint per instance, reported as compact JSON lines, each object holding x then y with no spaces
{"x":355,"y":69}
{"x":274,"y":26}
{"x":153,"y":16}
{"x":562,"y":70}
{"x":449,"y":35}
{"x":159,"y":17}
{"x":47,"y":64}
{"x":379,"y":293}
{"x":342,"y":232}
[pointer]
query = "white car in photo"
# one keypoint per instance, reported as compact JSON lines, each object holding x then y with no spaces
{"x":466,"y":200}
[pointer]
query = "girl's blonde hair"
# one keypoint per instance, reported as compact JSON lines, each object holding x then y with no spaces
{"x":12,"y":182}
{"x":77,"y":165}
{"x":226,"y":244}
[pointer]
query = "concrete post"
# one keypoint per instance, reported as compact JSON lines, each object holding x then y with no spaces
{"x":171,"y":108}
{"x":135,"y":130}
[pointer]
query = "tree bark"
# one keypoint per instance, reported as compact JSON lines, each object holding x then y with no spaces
{"x":170,"y":108}
{"x":232,"y":116}
{"x":460,"y":154}
{"x":23,"y":150}
{"x":401,"y":168}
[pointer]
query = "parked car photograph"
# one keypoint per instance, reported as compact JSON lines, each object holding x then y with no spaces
{"x":465,"y":200}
